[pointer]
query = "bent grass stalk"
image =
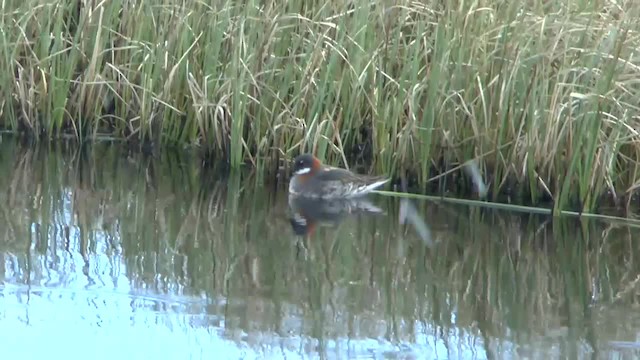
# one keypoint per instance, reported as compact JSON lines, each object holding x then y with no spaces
{"x":514,"y":207}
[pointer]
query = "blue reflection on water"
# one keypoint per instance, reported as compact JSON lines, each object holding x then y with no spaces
{"x":102,"y":324}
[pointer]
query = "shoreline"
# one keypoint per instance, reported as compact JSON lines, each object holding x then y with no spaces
{"x":443,"y":189}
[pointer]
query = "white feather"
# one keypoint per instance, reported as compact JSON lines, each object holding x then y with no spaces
{"x":368,"y":188}
{"x":303,"y":171}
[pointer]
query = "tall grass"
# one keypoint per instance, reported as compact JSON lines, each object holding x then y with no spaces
{"x":544,"y":94}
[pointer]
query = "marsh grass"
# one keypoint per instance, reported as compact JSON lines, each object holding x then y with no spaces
{"x":543,"y":94}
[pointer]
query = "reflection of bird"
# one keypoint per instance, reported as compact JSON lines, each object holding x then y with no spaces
{"x":313,"y":180}
{"x":309,"y":213}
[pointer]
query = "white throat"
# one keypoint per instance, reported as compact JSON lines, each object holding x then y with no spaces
{"x":303,"y":171}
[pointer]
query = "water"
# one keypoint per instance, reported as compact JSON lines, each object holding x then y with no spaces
{"x":110,"y":255}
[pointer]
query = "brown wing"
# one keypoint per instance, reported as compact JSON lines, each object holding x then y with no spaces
{"x":342,"y":175}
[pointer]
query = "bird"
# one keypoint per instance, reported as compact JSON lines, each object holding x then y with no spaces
{"x":308,"y":214}
{"x":314,"y":180}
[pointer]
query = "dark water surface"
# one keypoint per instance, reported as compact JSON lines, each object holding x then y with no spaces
{"x":109,"y":256}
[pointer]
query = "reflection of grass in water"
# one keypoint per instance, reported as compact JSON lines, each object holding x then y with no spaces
{"x":178,"y":230}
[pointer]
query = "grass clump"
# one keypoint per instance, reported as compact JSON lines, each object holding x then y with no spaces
{"x":543,"y":94}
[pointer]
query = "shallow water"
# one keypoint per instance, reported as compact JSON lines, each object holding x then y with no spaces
{"x":110,"y":255}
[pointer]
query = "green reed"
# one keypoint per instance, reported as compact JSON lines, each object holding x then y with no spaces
{"x":543,"y":94}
